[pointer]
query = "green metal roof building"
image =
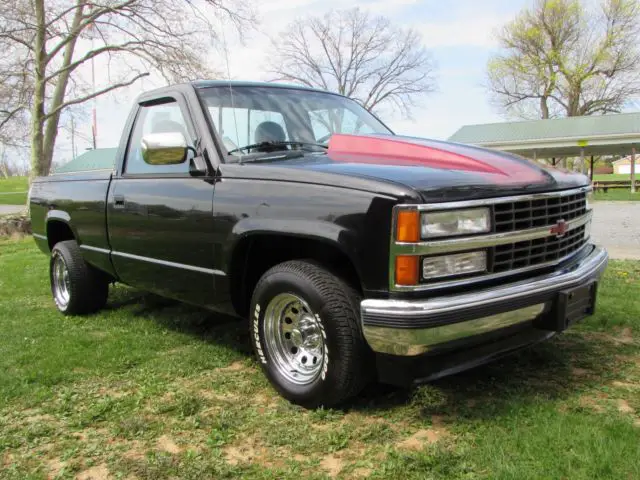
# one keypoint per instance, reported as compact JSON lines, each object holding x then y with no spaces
{"x":556,"y":138}
{"x":98,"y":159}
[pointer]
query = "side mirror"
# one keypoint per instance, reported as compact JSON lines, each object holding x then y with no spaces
{"x":164,"y":148}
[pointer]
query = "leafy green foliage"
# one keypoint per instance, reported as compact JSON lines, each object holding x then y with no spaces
{"x":562,"y":59}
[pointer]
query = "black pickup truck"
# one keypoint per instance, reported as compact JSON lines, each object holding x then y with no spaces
{"x":355,"y":254}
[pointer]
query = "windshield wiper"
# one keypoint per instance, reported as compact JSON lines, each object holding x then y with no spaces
{"x":277,"y":144}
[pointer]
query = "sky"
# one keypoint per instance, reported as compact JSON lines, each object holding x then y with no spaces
{"x":460,"y":35}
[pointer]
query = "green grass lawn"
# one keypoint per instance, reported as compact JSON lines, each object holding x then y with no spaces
{"x":13,"y":190}
{"x":152,"y":389}
{"x":616,"y":194}
{"x":623,"y":194}
{"x":613,"y":176}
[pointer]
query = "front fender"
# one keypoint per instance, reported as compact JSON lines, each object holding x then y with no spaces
{"x":324,"y":231}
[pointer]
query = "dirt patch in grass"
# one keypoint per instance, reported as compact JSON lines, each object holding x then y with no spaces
{"x":55,"y":466}
{"x":420,"y":439}
{"x":166,"y":444}
{"x":7,"y":459}
{"x":234,"y":367}
{"x":135,"y":451}
{"x":99,"y":472}
{"x":625,"y":336}
{"x":248,"y":450}
{"x":624,"y":407}
{"x":626,"y":385}
{"x":593,"y":402}
{"x":33,"y":416}
{"x":332,"y":464}
{"x":362,"y":472}
{"x":425,"y":436}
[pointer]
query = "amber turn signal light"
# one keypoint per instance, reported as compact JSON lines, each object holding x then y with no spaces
{"x":407,"y":270}
{"x":408,"y":226}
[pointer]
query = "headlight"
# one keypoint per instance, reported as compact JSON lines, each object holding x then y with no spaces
{"x":456,"y":264}
{"x":455,"y":222}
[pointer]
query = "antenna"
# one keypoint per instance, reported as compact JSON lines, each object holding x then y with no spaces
{"x":233,"y":108}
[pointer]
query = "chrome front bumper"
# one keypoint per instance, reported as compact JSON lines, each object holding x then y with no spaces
{"x":414,"y":327}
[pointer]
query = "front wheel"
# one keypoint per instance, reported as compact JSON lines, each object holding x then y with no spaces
{"x":77,"y":287}
{"x":305,"y":332}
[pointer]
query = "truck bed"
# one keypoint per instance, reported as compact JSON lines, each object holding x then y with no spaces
{"x":81,"y":195}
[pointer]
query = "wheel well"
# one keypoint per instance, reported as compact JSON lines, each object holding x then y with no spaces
{"x":58,"y":232}
{"x":254,"y":255}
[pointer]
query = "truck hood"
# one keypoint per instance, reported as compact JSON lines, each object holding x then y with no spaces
{"x":438,"y":171}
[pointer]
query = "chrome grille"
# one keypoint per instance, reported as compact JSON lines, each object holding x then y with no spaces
{"x":535,"y":252}
{"x":512,"y":216}
{"x":521,"y":239}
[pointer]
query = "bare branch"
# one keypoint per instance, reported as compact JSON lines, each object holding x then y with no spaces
{"x":358,"y":55}
{"x":95,"y":94}
{"x":48,"y":45}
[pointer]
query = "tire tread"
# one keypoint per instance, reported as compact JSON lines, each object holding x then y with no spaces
{"x":89,"y":289}
{"x":343,"y":302}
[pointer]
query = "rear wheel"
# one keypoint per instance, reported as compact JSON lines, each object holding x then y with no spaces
{"x":77,"y":287}
{"x":306,"y":334}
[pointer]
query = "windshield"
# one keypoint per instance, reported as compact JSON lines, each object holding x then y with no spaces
{"x":258,"y":120}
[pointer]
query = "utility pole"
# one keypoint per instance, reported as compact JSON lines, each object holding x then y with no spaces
{"x":73,"y":137}
{"x":633,"y":169}
{"x":94,"y":123}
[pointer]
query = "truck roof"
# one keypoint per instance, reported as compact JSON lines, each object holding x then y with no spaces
{"x":243,"y":83}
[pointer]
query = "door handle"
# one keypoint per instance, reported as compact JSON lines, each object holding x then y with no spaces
{"x":118,"y":201}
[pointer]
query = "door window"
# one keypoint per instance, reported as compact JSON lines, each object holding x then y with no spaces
{"x":237,"y":126}
{"x":162,"y":118}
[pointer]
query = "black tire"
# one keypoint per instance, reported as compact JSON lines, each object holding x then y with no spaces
{"x":87,"y":287}
{"x":335,"y":305}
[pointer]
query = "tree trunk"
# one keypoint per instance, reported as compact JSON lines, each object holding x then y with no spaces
{"x":51,"y":127}
{"x":38,"y":167}
{"x":544,"y":108}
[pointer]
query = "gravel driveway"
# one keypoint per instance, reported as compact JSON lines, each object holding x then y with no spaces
{"x":616,"y":226}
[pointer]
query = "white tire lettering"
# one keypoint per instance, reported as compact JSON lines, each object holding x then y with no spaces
{"x":256,"y":335}
{"x":325,"y":363}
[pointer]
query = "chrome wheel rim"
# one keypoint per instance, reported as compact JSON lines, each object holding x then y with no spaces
{"x":294,"y":338}
{"x":61,"y":283}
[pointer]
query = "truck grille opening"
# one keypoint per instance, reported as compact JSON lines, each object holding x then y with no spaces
{"x":512,"y":216}
{"x":535,"y":252}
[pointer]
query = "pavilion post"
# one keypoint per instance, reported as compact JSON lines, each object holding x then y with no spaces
{"x":591,"y":170}
{"x":581,"y":160}
{"x":633,"y":169}
{"x":553,"y":161}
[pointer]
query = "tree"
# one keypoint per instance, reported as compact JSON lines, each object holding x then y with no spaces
{"x":58,"y":40}
{"x":15,"y":95}
{"x":560,"y":59}
{"x":358,"y":55}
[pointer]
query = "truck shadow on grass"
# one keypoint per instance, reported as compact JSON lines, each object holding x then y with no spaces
{"x":568,"y":366}
{"x":565,"y":366}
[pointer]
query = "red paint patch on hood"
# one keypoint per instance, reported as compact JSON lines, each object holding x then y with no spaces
{"x":407,"y":151}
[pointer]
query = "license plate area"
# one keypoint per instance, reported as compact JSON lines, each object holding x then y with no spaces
{"x":573,"y":305}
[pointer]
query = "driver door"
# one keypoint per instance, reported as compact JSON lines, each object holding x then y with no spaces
{"x":160,"y":217}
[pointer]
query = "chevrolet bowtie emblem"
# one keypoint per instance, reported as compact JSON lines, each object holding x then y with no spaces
{"x":559,"y":229}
